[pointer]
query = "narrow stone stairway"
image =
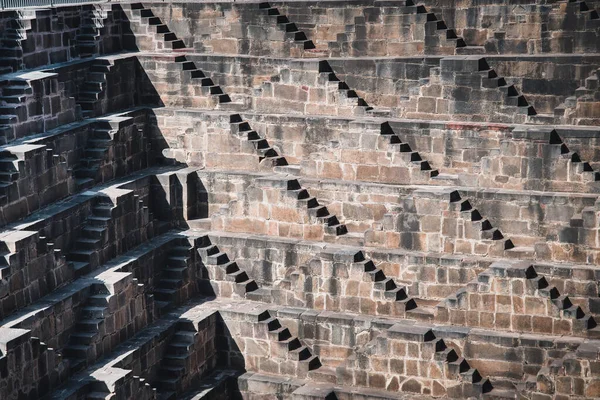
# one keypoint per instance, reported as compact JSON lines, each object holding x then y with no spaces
{"x":316,"y":211}
{"x":346,"y":96}
{"x":410,"y":156}
{"x":13,"y":41}
{"x":584,"y":168}
{"x":90,"y":92}
{"x":267,"y":155}
{"x":220,"y":268}
{"x":292,"y":349}
{"x":164,"y":38}
{"x":90,"y":323}
{"x":95,"y":154}
{"x":13,"y":107}
{"x":387,"y":287}
{"x":481,"y":224}
{"x":93,"y":237}
{"x":91,"y":31}
{"x":582,"y":322}
{"x":175,"y":360}
{"x":514,"y":101}
{"x":174,"y":276}
{"x":589,"y":92}
{"x":292,"y":31}
{"x":9,"y":174}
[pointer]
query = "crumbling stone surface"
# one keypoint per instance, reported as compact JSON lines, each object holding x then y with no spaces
{"x":300,"y":200}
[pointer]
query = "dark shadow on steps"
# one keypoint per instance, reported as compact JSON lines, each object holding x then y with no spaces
{"x":229,"y":355}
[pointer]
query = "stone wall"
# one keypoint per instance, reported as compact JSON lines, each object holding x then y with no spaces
{"x":517,"y":298}
{"x":36,"y":38}
{"x":31,"y":269}
{"x":42,"y":104}
{"x":27,"y":364}
{"x":101,"y":85}
{"x":372,"y":29}
{"x":221,"y":28}
{"x":531,"y":28}
{"x":300,"y":200}
{"x":76,"y":307}
{"x":468,"y":154}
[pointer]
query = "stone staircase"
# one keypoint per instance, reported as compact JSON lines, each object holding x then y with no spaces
{"x":89,"y":37}
{"x":13,"y":107}
{"x":480,"y":85}
{"x":484,"y":231}
{"x":409,"y":155}
{"x":514,"y":101}
{"x":473,"y":384}
{"x":175,"y":274}
{"x":221,"y":268}
{"x":268,"y":157}
{"x":384,"y":287}
{"x":447,"y":37}
{"x":209,"y":88}
{"x":576,"y":164}
{"x":455,"y":378}
{"x":9,"y":174}
{"x":164,"y":39}
{"x":90,"y":93}
{"x":13,"y":41}
{"x":346,"y":96}
{"x":95,"y":154}
{"x":292,"y":32}
{"x":291,"y":349}
{"x":589,"y":93}
{"x":93,"y":237}
{"x":499,"y":282}
{"x":439,"y":39}
{"x":175,"y":361}
{"x":317,"y":212}
{"x":81,"y":346}
{"x":582,"y":322}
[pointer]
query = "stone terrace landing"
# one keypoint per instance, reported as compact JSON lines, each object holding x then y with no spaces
{"x":300,"y":200}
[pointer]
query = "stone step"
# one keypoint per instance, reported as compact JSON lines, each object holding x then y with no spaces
{"x":13,"y":99}
{"x":180,"y":348}
{"x":80,"y":255}
{"x":170,"y":283}
{"x":171,"y":372}
{"x":167,"y":384}
{"x":83,"y":338}
{"x":88,"y":244}
{"x":76,"y":351}
{"x":12,"y":90}
{"x":89,"y":325}
{"x":99,"y":396}
{"x":180,"y":274}
{"x":94,"y":232}
{"x":520,"y":253}
{"x":175,"y":360}
{"x":162,"y":294}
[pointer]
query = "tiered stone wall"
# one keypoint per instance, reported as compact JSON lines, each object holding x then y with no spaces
{"x":27,"y":364}
{"x":31,"y":269}
{"x":39,"y":37}
{"x":299,"y":200}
